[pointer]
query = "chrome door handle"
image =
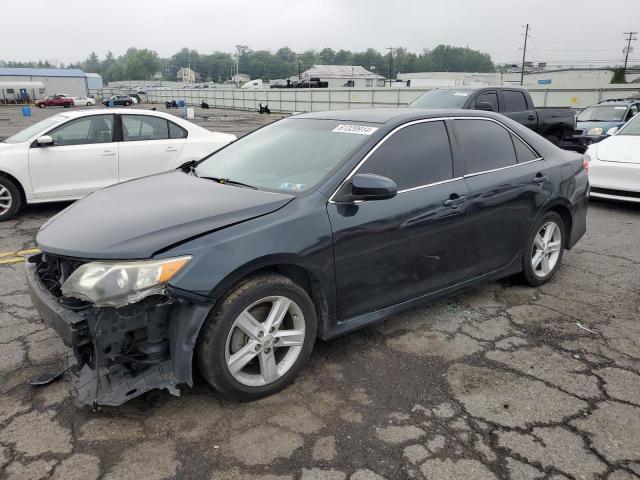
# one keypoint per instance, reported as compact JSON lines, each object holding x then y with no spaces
{"x":170,"y":149}
{"x":108,"y":153}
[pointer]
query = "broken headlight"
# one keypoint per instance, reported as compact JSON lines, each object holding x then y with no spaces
{"x":115,"y":284}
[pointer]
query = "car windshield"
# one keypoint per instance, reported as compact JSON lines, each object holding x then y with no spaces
{"x":34,"y":129}
{"x":290,"y":155}
{"x":442,"y":99}
{"x":632,"y":127}
{"x":602,"y":113}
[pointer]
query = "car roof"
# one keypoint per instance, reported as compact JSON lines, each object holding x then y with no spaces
{"x":111,"y":110}
{"x":390,"y":115}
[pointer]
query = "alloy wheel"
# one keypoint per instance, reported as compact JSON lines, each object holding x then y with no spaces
{"x":546,"y":249}
{"x":265,"y":341}
{"x":5,"y":200}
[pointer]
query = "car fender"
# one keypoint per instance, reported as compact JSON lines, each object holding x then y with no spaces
{"x":14,"y":163}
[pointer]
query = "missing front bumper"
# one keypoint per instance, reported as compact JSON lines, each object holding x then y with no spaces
{"x":122,"y":353}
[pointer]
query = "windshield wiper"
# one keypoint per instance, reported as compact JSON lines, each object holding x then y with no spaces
{"x":225,"y":181}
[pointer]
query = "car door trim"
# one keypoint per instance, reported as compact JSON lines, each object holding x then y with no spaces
{"x":426,"y":120}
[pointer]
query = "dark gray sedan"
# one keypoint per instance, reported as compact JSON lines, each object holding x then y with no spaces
{"x":310,"y":227}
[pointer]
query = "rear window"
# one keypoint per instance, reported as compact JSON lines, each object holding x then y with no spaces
{"x":486,"y":144}
{"x":514,"y":101}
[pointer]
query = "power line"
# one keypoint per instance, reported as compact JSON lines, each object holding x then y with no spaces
{"x":391,"y":49}
{"x":524,"y":53}
{"x":630,"y":37}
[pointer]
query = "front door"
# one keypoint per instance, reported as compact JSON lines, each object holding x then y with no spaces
{"x":515,"y":107}
{"x":389,"y":251}
{"x":83,"y":158}
{"x":149,"y":145}
{"x":508,"y":184}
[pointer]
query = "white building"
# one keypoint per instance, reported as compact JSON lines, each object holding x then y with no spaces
{"x":33,"y":83}
{"x":187,"y":75}
{"x":563,"y":78}
{"x":240,"y":78}
{"x":344,"y":76}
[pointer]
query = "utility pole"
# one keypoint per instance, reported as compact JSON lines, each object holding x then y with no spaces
{"x":628,"y":49}
{"x":524,"y":53}
{"x":391,"y":49}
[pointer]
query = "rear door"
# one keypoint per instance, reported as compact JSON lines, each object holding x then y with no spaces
{"x":149,"y":145}
{"x":83,"y":158}
{"x":508,"y":183}
{"x":515,"y":107}
{"x":389,"y":251}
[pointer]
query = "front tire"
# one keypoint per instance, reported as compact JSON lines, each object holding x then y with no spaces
{"x":10,"y":200}
{"x":544,"y":250}
{"x":127,"y":104}
{"x":256,"y":341}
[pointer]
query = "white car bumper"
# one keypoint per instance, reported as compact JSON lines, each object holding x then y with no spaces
{"x":615,"y":180}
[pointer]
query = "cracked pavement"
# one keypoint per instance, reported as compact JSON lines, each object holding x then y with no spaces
{"x":504,"y":381}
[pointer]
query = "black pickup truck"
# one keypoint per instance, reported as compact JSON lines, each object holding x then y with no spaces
{"x":555,"y":124}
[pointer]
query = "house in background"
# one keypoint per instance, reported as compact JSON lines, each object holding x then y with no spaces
{"x":187,"y":75}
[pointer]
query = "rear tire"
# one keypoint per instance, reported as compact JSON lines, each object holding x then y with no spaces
{"x":10,"y":200}
{"x":247,"y":361}
{"x":544,"y":250}
{"x":127,"y":104}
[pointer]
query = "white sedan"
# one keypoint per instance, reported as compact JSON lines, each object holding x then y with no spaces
{"x":614,"y":164}
{"x":82,"y":101}
{"x":69,"y":155}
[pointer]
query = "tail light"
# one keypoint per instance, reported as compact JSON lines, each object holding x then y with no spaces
{"x":586,"y":160}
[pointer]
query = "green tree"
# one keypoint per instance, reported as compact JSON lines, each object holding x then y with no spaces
{"x":618,"y":76}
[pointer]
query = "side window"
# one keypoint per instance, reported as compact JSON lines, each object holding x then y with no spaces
{"x":490,"y":97}
{"x":486,"y":145}
{"x":136,"y":128}
{"x":523,"y":152}
{"x":176,"y":131}
{"x":514,"y":101}
{"x":85,"y":130}
{"x":416,"y":155}
{"x":633,"y":111}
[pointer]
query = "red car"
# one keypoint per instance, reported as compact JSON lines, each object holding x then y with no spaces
{"x":55,"y":101}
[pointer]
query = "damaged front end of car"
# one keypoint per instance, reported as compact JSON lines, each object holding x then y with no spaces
{"x":129,"y":330}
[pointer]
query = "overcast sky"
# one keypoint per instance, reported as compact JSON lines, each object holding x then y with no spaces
{"x":576,"y":32}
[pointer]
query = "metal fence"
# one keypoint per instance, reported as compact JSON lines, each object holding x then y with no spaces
{"x":307,"y":100}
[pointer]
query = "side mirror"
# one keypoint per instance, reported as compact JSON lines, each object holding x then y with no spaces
{"x":486,"y":106}
{"x":367,"y":186}
{"x":44,"y":141}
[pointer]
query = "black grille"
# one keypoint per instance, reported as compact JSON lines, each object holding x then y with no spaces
{"x":53,"y":271}
{"x":618,"y":193}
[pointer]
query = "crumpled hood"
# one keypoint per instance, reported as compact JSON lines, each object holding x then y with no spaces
{"x":135,"y":219}
{"x":619,"y":148}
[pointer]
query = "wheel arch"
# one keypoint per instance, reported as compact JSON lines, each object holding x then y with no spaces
{"x":292,"y":267}
{"x":562,"y":209}
{"x":17,"y":183}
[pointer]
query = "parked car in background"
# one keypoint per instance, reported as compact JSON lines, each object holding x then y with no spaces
{"x":614,"y":164}
{"x":313,"y":226}
{"x":55,"y":101}
{"x":554,"y":124}
{"x":597,"y":122}
{"x":84,"y":101}
{"x":125,"y":100}
{"x":68,"y":156}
